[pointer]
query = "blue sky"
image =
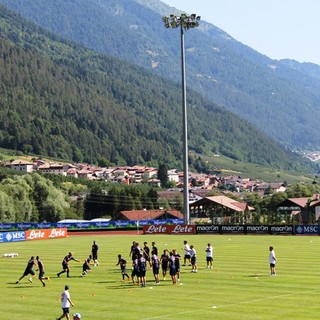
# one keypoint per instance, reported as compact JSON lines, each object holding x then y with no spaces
{"x":277,"y":28}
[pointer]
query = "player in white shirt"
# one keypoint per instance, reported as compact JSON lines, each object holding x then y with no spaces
{"x":193,"y":258}
{"x":65,"y":303}
{"x":209,"y":256}
{"x":186,"y":249}
{"x":272,"y":261}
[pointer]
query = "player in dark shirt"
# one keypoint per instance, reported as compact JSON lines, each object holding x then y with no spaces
{"x":155,"y":268}
{"x":131,"y":253}
{"x":29,"y":270}
{"x":86,"y":266}
{"x":135,"y":270}
{"x":94,"y":253}
{"x":146,"y":252}
{"x":177,"y":258}
{"x":164,"y":259}
{"x":142,"y":270}
{"x":65,"y":264}
{"x":172,"y":268}
{"x":154,"y":249}
{"x":41,"y":271}
{"x":123,"y":266}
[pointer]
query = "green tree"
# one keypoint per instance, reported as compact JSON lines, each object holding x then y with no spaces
{"x":163,"y":174}
{"x":7,"y":210}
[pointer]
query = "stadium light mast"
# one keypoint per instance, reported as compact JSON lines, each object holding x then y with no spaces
{"x":184,"y":22}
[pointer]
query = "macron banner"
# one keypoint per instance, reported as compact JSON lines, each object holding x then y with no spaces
{"x":42,"y":234}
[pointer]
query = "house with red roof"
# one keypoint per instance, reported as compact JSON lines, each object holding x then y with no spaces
{"x":303,"y":210}
{"x":157,"y":214}
{"x":221,"y":210}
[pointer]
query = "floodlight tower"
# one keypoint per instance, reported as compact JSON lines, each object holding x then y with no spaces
{"x":184,"y":22}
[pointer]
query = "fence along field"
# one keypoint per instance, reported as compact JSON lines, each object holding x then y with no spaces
{"x":239,"y":286}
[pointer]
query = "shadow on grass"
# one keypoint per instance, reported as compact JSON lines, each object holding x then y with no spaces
{"x":17,"y":286}
{"x":257,"y":275}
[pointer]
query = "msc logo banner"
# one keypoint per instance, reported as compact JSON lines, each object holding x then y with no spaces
{"x":309,"y":229}
{"x":12,"y":236}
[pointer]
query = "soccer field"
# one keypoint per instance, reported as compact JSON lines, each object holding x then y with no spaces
{"x":239,"y":286}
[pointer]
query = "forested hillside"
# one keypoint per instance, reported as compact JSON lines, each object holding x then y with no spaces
{"x":280,"y":100}
{"x":64,"y":101}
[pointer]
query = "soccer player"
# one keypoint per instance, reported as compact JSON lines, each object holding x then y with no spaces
{"x":209,"y":256}
{"x":29,"y":270}
{"x":154,"y":249}
{"x":65,"y":303}
{"x":135,"y":269}
{"x":123,"y":266}
{"x":86,"y":266}
{"x":193,"y":259}
{"x":65,"y":264}
{"x":172,"y":268}
{"x":142,"y":270}
{"x":94,"y":253}
{"x":41,"y":271}
{"x":272,"y":261}
{"x":164,"y":259}
{"x":177,"y":258}
{"x":186,"y":249}
{"x":131,"y":253}
{"x":146,"y":252}
{"x":155,"y":268}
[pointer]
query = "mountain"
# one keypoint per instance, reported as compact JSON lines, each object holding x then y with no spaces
{"x":279,"y":99}
{"x":65,"y":101}
{"x":309,"y":69}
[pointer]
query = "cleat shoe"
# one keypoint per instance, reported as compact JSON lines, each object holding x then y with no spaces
{"x":58,"y":275}
{"x":17,"y":281}
{"x":48,"y":278}
{"x":30,"y":280}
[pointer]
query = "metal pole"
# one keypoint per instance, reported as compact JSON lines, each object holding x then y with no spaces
{"x":185,"y":134}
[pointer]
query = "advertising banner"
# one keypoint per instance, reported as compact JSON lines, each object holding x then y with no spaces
{"x":208,"y":229}
{"x":257,"y":229}
{"x":283,"y":229}
{"x":42,"y":234}
{"x":232,"y":229}
{"x":307,"y":230}
{"x":12,"y":236}
{"x":170,"y":229}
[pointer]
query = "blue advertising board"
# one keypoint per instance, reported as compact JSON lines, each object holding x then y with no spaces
{"x":86,"y":224}
{"x":307,"y":230}
{"x":13,"y":236}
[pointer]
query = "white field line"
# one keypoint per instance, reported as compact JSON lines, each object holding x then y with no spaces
{"x":163,"y":316}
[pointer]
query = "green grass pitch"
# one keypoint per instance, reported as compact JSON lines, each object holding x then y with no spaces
{"x":239,"y":286}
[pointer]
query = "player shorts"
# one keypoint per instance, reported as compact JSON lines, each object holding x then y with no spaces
{"x":41,"y":274}
{"x":65,"y":311}
{"x":209,"y":259}
{"x":272,"y":265}
{"x":187,"y":256}
{"x":29,"y":271}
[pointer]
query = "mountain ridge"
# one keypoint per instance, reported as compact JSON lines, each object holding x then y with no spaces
{"x":59,"y":99}
{"x":225,"y":71}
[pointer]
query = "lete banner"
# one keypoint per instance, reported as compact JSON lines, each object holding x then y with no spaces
{"x":42,"y":234}
{"x":170,"y":229}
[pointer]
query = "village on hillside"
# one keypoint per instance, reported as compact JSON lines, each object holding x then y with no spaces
{"x":144,"y":174}
{"x":219,"y":209}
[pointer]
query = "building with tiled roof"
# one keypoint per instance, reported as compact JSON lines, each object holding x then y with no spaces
{"x":157,"y":214}
{"x":221,"y":210}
